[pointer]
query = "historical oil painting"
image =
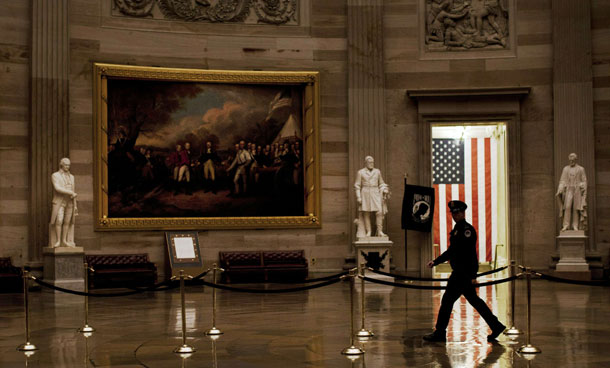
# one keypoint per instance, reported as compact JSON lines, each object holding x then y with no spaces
{"x":224,"y":154}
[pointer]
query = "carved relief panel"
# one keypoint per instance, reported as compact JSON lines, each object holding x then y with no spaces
{"x":466,"y":26}
{"x":225,"y":11}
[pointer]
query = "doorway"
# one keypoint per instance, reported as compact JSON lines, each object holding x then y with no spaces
{"x":469,"y":163}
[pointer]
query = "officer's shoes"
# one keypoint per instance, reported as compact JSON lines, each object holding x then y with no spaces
{"x":495,"y":332}
{"x":435,"y":337}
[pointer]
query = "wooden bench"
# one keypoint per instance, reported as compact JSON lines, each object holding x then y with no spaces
{"x":10,"y":277}
{"x":263,"y":266}
{"x":120,"y":270}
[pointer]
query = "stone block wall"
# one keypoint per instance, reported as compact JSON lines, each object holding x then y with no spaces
{"x":14,"y":128}
{"x":319,"y":43}
{"x":600,"y":31}
{"x":532,"y":66}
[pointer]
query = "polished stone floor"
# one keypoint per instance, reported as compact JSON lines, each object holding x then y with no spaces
{"x":570,"y":324}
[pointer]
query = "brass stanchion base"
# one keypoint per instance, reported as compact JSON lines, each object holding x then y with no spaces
{"x":529,"y":349}
{"x":512,"y":339}
{"x":213,"y":331}
{"x":364,"y":333}
{"x":513,"y":331}
{"x":27,"y":347}
{"x":353,"y":358}
{"x":184,"y":349}
{"x":185,"y":356}
{"x":352,"y":350}
{"x":86,"y":329}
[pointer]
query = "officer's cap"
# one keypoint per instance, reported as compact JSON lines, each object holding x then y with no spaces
{"x":457,"y":206}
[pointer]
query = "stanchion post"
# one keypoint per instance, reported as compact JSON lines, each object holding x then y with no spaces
{"x":352,"y":350}
{"x":528,"y":348}
{"x":184,"y":349}
{"x":363,"y":333}
{"x":214,"y":331}
{"x":512,"y":331}
{"x":27,"y":346}
{"x":86,"y":328}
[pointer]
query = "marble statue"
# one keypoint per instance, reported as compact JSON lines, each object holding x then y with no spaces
{"x":371,"y":193}
{"x":61,"y":226}
{"x":572,"y":195}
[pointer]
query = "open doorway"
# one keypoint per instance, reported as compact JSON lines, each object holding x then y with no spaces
{"x":469,"y":163}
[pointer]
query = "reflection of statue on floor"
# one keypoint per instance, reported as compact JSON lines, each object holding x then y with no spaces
{"x":371,"y":194}
{"x":61,"y":226}
{"x":572,"y":194}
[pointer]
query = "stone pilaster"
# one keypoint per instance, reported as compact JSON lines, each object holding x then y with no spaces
{"x":366,"y":102}
{"x":573,"y":95}
{"x":49,"y":113}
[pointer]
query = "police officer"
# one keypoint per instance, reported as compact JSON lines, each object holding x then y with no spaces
{"x":462,"y":255}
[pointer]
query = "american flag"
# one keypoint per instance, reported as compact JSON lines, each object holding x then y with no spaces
{"x":463,"y":169}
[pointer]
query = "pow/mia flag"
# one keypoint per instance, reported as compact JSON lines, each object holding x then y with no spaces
{"x":417,"y":208}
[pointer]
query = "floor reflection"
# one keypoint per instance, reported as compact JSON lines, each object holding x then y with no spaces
{"x":307,"y":329}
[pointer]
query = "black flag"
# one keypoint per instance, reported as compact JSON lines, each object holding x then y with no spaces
{"x":417,"y":208}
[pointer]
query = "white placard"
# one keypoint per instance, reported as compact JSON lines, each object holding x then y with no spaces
{"x":185,"y":249}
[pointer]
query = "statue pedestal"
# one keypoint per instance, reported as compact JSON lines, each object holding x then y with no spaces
{"x":63,"y":267}
{"x":375,"y":252}
{"x":572,"y":262}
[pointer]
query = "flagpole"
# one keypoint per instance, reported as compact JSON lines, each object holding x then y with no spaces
{"x":405,"y":230}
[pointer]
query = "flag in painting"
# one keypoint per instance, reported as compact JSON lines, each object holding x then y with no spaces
{"x":282,"y":99}
{"x":463,"y":170}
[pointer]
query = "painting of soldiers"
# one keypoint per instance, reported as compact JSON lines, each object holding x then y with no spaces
{"x":218,"y":150}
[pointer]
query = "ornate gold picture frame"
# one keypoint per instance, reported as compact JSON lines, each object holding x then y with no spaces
{"x":205,"y":149}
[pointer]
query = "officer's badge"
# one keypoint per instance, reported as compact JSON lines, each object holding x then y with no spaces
{"x":467,"y":233}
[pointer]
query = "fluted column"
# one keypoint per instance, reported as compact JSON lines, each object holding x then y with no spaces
{"x":49,"y":112}
{"x":573,"y":95}
{"x":366,"y":102}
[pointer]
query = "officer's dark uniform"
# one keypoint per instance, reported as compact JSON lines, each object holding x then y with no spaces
{"x":462,"y":255}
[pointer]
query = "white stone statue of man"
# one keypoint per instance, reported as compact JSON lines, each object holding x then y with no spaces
{"x":572,"y":193}
{"x":61,"y":226}
{"x":371,"y":194}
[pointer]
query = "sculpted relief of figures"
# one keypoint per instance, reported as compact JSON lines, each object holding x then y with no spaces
{"x":466,"y":24}
{"x":233,"y":11}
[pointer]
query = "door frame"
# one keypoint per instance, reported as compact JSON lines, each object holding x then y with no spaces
{"x":474,"y":105}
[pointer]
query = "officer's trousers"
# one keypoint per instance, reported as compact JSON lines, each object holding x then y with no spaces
{"x":457,"y":286}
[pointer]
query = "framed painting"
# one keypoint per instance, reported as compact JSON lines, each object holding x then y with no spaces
{"x":205,"y":149}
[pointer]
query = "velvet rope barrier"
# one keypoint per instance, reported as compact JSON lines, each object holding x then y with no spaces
{"x":75,"y":292}
{"x":435,"y":287}
{"x":156,"y":287}
{"x":270,"y":291}
{"x":412,"y":278}
{"x":570,"y":281}
{"x":309,"y":281}
{"x":169,"y":284}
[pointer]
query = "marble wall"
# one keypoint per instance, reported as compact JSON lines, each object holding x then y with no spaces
{"x":600,"y":34}
{"x":531,"y":67}
{"x":15,"y":21}
{"x":319,"y":42}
